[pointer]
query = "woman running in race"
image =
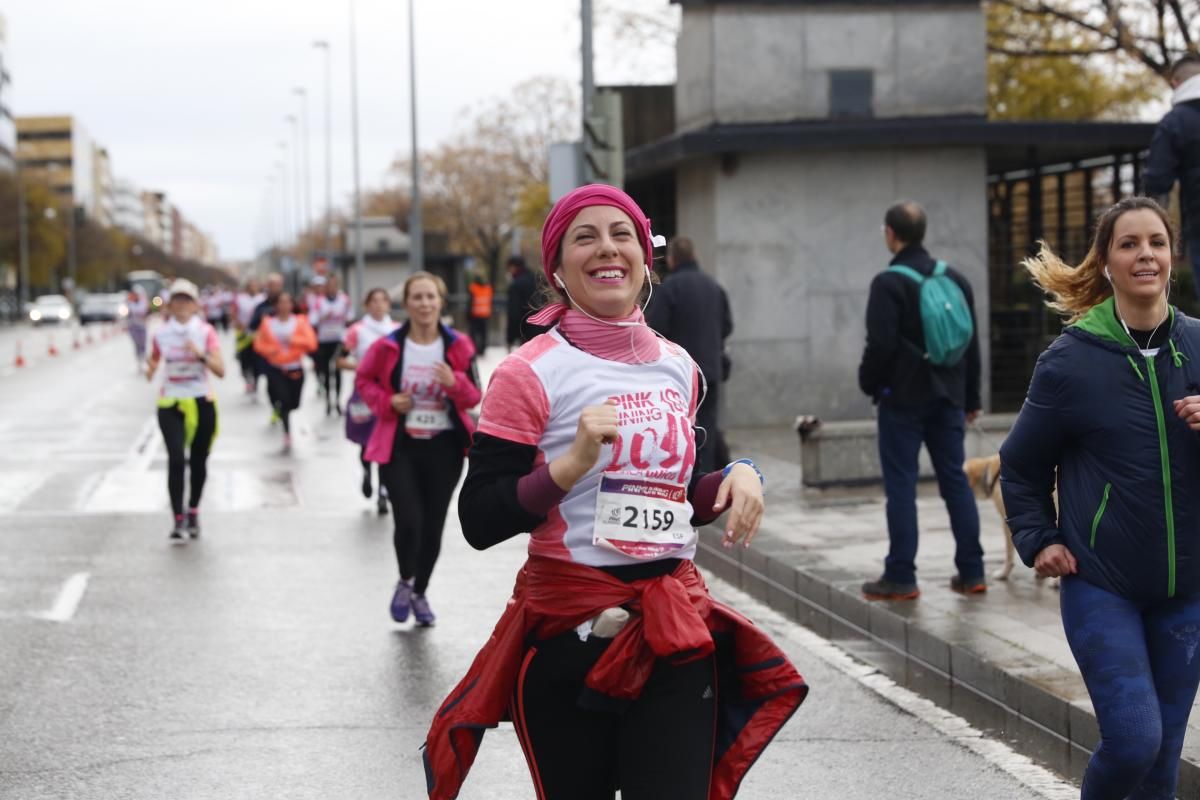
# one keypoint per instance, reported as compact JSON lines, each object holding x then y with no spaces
{"x":187,"y":409}
{"x":139,"y":309}
{"x":1111,"y":417}
{"x":360,"y":422}
{"x":618,"y":670}
{"x":283,"y":340}
{"x":420,"y":382}
{"x":330,"y":315}
{"x":244,"y":304}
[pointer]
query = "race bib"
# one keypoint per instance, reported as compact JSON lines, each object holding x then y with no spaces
{"x":359,"y":411}
{"x":641,"y":518}
{"x":185,"y":371}
{"x":331,"y":329}
{"x":426,"y":422}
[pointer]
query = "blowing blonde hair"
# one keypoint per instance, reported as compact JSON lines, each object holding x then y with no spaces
{"x":1073,"y":291}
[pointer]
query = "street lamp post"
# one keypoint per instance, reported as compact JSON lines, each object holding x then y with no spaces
{"x":416,"y":235}
{"x":23,"y":225}
{"x":359,"y":265}
{"x":297,"y":181}
{"x":283,"y":196}
{"x":308,"y":220}
{"x":324,"y":47}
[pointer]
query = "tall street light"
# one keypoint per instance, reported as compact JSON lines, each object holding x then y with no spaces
{"x":416,"y":234}
{"x":308,"y":220}
{"x":282,"y":166}
{"x":328,"y":226}
{"x":297,"y":181}
{"x":359,"y":265}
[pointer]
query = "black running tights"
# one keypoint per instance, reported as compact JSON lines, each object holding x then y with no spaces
{"x":286,"y":388}
{"x":660,"y":747}
{"x":420,"y":480}
{"x":327,"y":371}
{"x":170,"y":422}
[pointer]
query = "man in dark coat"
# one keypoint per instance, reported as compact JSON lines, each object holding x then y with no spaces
{"x":1175,"y":156}
{"x":692,"y":310}
{"x":918,"y":403}
{"x":522,"y":287}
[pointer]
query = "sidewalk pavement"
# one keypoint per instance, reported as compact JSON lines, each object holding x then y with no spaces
{"x":998,"y":659}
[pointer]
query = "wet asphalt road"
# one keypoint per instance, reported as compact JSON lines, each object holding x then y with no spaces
{"x":260,"y":661}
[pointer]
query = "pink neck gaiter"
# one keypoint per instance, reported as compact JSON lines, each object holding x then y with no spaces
{"x":635,"y":344}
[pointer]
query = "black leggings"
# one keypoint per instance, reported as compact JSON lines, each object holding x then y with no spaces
{"x":285,"y":388}
{"x":170,"y":422}
{"x":248,"y":359}
{"x":659,"y":747}
{"x":327,"y":372}
{"x":420,"y":480}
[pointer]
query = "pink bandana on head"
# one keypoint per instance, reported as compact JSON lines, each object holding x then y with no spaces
{"x":564,"y":211}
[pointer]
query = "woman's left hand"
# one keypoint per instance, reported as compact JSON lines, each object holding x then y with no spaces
{"x":444,"y":375}
{"x":742,"y":492}
{"x":1188,"y":410}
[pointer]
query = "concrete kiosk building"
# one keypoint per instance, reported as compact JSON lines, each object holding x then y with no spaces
{"x":797,"y":124}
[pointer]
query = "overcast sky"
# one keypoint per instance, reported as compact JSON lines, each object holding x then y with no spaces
{"x":190,"y":96}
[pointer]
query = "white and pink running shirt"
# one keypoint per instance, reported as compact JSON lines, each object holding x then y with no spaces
{"x":430,"y":414}
{"x":331,"y":315}
{"x":245,"y":304}
{"x":632,"y":506}
{"x":185,"y":373}
{"x":366,"y":332}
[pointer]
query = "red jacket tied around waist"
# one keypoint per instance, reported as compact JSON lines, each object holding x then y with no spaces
{"x":674,"y":618}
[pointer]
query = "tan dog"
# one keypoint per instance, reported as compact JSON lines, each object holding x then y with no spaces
{"x":983,"y":474}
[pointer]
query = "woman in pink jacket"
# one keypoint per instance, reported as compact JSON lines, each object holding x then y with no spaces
{"x":420,"y":382}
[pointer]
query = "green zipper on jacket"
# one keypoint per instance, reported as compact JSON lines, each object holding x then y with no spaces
{"x":1164,"y":458}
{"x":1100,"y":513}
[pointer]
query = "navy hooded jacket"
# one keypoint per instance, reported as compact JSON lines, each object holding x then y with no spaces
{"x":1128,"y":468}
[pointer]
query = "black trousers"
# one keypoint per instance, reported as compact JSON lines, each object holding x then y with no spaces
{"x":326,"y":371}
{"x":709,"y":442}
{"x":659,"y":747}
{"x":478,"y":327}
{"x":170,"y":422}
{"x":285,"y":388}
{"x":420,"y":480}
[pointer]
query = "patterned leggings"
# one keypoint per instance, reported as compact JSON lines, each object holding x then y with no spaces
{"x":1141,"y":664}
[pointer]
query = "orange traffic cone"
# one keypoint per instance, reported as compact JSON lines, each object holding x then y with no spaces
{"x":52,"y":351}
{"x":75,"y":343}
{"x":20,"y":362}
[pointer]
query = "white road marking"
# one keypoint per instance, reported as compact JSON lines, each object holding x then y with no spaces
{"x":69,"y":598}
{"x":953,"y":727}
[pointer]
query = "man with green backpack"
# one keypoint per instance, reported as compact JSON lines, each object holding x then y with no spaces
{"x":921,"y":367}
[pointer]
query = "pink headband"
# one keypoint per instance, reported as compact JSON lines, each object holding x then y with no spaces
{"x":564,"y":211}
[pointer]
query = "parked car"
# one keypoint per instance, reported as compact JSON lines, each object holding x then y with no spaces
{"x":51,"y":309}
{"x":103,"y":308}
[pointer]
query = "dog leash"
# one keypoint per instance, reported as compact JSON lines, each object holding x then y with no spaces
{"x":975,"y":426}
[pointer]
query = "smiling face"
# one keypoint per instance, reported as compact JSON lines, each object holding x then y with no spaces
{"x":423,"y":302}
{"x":181,"y":307}
{"x":1139,"y":257}
{"x":602,"y":263}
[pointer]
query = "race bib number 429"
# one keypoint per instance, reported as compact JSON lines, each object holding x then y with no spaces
{"x":641,"y":518}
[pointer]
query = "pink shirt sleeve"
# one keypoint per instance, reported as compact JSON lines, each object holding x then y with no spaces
{"x":350,"y":341}
{"x":515,"y":406}
{"x":211,"y":342}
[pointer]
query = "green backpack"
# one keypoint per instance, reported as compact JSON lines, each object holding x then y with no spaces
{"x":945,"y":316}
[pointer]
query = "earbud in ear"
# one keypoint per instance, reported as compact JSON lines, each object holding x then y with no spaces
{"x":1108,"y":274}
{"x":558,"y":279}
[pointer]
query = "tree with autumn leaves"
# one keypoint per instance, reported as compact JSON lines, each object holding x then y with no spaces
{"x":1084,"y":59}
{"x":490,"y":179}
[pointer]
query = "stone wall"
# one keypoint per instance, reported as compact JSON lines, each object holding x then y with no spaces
{"x":795,"y":239}
{"x":771,"y":63}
